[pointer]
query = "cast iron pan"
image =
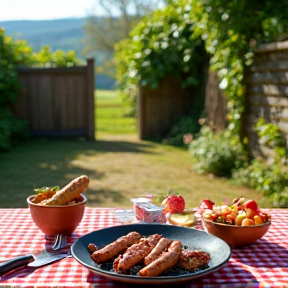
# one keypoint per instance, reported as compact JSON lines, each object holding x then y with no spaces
{"x":219,"y":250}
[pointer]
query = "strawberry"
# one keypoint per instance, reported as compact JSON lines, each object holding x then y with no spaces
{"x":173,"y":204}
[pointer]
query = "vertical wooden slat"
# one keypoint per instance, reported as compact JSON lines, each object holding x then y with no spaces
{"x":215,"y":104}
{"x":90,"y":108}
{"x":267,"y":94}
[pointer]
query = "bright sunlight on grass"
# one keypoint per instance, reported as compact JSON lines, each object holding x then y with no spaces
{"x":119,"y":165}
{"x":110,"y":114}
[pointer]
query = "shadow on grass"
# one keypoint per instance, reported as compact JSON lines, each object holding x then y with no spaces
{"x":43,"y":162}
{"x":97,"y":197}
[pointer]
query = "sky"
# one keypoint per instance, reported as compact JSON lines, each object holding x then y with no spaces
{"x":46,"y":9}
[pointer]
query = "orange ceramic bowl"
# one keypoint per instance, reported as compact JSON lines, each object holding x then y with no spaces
{"x":62,"y":219}
{"x":236,"y":235}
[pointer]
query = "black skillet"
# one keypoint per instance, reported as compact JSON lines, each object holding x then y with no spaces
{"x":219,"y":250}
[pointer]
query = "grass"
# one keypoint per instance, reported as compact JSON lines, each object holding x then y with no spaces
{"x":110,"y":113}
{"x":120,"y":166}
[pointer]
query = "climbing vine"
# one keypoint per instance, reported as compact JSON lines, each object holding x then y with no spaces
{"x":158,"y":46}
{"x":230,"y":31}
{"x":169,"y":42}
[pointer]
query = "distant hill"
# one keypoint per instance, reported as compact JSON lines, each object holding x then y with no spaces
{"x":61,"y":34}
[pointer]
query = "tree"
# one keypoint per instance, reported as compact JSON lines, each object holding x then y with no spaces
{"x":103,"y":32}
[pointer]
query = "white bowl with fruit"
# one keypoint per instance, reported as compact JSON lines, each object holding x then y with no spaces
{"x":240,"y":223}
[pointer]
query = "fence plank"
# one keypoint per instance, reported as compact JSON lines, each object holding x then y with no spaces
{"x":215,"y":104}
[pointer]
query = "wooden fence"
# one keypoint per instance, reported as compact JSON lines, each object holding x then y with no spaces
{"x":159,"y":108}
{"x":58,"y":101}
{"x":266,"y":96}
{"x":267,"y":93}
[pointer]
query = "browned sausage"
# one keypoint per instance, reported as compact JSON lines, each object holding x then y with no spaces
{"x":69,"y":192}
{"x":113,"y":249}
{"x":135,"y":253}
{"x":157,"y":251}
{"x":92,"y":248}
{"x":166,"y":261}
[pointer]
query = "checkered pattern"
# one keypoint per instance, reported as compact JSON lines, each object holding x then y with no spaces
{"x":263,"y":264}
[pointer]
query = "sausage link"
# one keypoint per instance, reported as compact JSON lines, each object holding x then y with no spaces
{"x":115,"y":248}
{"x":135,"y":253}
{"x":166,"y":261}
{"x":157,"y":251}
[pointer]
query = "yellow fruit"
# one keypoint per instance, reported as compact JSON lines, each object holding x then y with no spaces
{"x":247,"y":222}
{"x":257,"y":220}
{"x":239,"y":218}
{"x":183,"y":219}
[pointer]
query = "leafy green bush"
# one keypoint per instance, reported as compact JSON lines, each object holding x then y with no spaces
{"x":12,"y":130}
{"x":13,"y":54}
{"x":270,"y":179}
{"x":217,"y":153}
{"x":47,"y":58}
{"x":9,"y":56}
{"x":185,"y":126}
{"x":280,"y":199}
{"x":271,"y":136}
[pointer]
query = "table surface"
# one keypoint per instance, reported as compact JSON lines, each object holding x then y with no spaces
{"x":263,"y":264}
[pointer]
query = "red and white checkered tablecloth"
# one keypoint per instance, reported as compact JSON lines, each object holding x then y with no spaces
{"x":263,"y":264}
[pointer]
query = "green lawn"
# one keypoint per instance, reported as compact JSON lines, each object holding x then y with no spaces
{"x":119,"y":165}
{"x":110,"y":114}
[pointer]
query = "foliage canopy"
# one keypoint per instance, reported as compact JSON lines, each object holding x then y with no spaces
{"x":229,"y":31}
{"x":160,"y":45}
{"x":170,"y":41}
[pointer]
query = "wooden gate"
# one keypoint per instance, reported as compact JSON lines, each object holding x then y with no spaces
{"x":58,"y":101}
{"x":159,"y":108}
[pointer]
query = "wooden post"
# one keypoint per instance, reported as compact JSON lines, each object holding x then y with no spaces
{"x":140,"y":113}
{"x":91,"y":101}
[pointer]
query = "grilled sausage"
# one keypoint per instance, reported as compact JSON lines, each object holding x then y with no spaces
{"x":166,"y":261}
{"x":157,"y":251}
{"x":113,"y":249}
{"x":92,"y":248}
{"x":135,"y":253}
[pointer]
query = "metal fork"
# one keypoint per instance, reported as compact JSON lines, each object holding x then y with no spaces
{"x":59,"y":242}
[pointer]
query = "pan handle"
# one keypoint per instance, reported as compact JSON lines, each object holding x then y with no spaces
{"x":14,"y":263}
